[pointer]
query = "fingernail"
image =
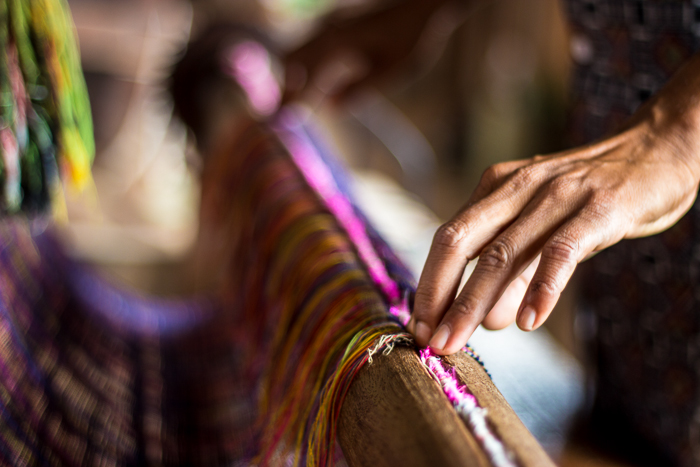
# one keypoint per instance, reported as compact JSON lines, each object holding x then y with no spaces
{"x":527,"y":318}
{"x":422,"y":332}
{"x":440,"y":338}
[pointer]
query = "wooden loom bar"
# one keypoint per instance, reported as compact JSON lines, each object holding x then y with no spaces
{"x":396,"y":414}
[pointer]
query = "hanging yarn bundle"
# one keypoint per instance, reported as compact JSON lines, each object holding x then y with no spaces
{"x":46,"y":129}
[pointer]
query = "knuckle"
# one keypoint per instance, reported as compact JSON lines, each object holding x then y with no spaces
{"x":544,"y":287}
{"x":562,"y":250}
{"x":561,"y":188}
{"x":462,"y":308}
{"x":600,"y":210}
{"x":605,"y":196}
{"x":601,"y":202}
{"x":498,"y":255}
{"x":525,"y":176}
{"x":491,"y":175}
{"x":450,"y":234}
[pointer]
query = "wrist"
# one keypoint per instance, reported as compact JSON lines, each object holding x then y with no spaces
{"x":673,"y":114}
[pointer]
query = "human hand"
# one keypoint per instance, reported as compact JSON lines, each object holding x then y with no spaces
{"x":559,"y":208}
{"x":348,"y":53}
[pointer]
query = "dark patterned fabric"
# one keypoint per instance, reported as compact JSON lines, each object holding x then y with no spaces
{"x":646,"y":300}
{"x":94,"y":375}
{"x":643,"y":295}
{"x":624,"y":51}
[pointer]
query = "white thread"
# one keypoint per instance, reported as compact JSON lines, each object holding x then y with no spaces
{"x":467,"y":407}
{"x":387,"y":343}
{"x":474,"y":416}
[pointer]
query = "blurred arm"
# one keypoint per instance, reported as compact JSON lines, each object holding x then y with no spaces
{"x":350,"y":52}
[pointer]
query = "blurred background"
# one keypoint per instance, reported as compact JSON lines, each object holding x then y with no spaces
{"x":491,"y":87}
{"x":492,"y":90}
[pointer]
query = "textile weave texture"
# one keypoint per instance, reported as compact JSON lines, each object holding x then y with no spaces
{"x":96,"y":375}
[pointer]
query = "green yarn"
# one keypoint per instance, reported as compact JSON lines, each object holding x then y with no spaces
{"x":45,"y":107}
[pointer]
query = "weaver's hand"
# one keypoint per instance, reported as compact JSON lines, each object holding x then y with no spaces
{"x":367,"y":48}
{"x":559,"y":209}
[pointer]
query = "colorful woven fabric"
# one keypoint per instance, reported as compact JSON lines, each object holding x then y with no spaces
{"x":92,"y":374}
{"x":307,"y":157}
{"x":304,"y":294}
{"x":254,"y":373}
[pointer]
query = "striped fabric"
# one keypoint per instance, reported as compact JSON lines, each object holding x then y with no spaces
{"x":96,"y":375}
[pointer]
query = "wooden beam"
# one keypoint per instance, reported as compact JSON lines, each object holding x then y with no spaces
{"x":396,"y":414}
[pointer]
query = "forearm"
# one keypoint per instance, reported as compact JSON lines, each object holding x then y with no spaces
{"x":379,"y":42}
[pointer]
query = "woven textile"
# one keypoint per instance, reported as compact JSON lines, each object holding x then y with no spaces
{"x":95,"y":375}
{"x":253,"y":373}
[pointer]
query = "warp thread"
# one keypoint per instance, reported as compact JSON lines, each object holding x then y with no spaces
{"x":302,"y":293}
{"x":321,"y":180}
{"x":361,"y":350}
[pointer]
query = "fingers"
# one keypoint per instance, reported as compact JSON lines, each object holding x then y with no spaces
{"x":571,"y":244}
{"x":503,"y":260}
{"x":465,"y":236}
{"x":440,"y":278}
{"x":505,"y":310}
{"x":562,"y":251}
{"x":494,"y":177}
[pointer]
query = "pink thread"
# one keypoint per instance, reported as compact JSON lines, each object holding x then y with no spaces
{"x":401,"y":311}
{"x":455,"y":393}
{"x":321,"y":180}
{"x":468,"y":408}
{"x":250,"y":64}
